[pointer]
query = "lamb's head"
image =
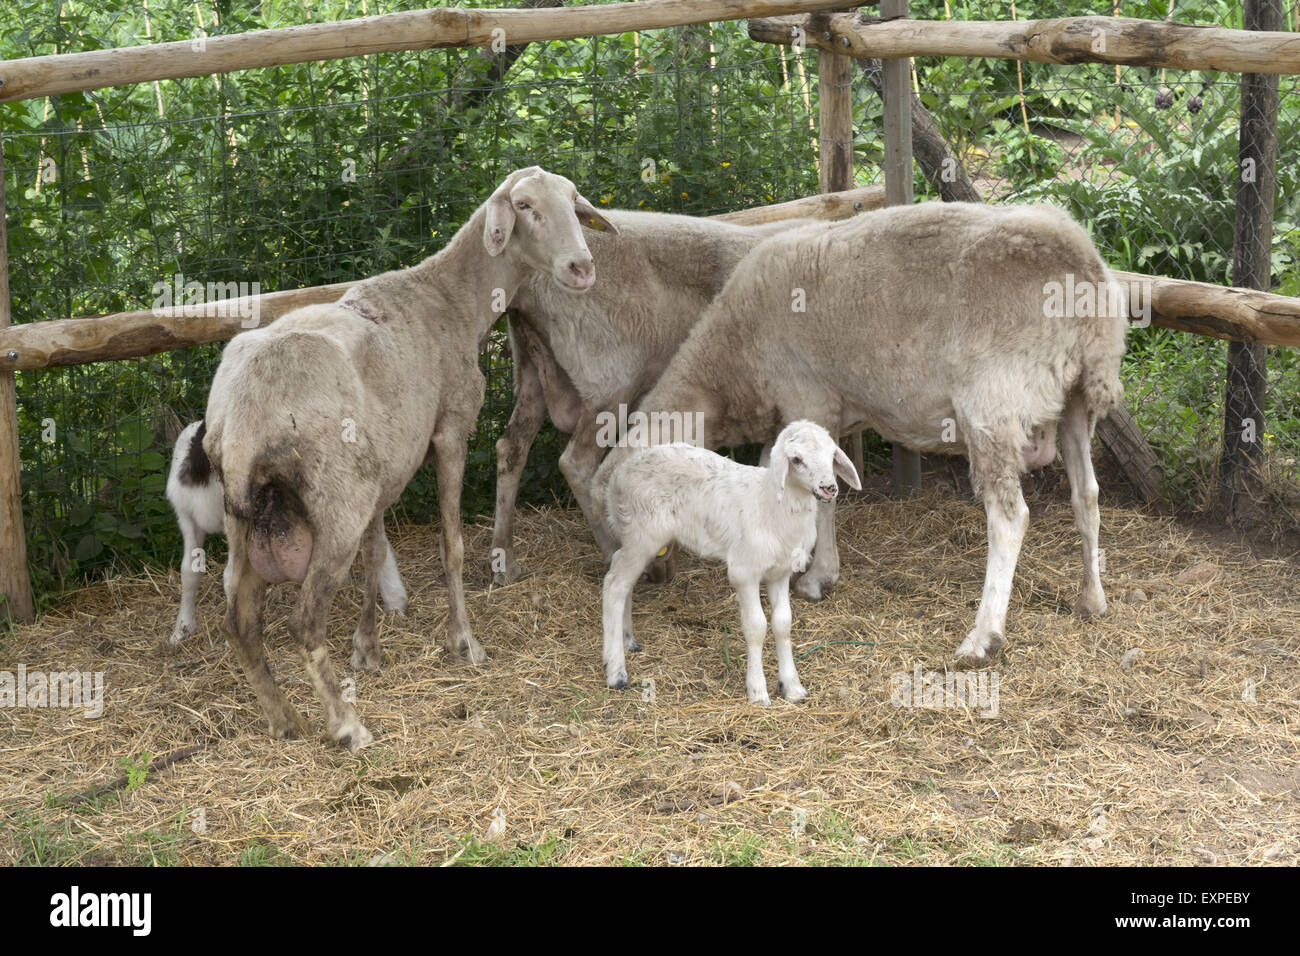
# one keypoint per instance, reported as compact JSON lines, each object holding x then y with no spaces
{"x":537,"y":217}
{"x":805,"y":456}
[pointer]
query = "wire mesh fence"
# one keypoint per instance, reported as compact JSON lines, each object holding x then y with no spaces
{"x":315,"y":173}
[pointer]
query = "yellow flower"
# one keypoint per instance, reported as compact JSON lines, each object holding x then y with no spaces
{"x":686,"y":196}
{"x":725,"y":165}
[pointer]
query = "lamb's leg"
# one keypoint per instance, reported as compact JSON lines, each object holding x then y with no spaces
{"x":226,"y":577}
{"x":193,"y":540}
{"x":1075,"y":438}
{"x":391,"y":588}
{"x":788,"y":684}
{"x":244,"y":624}
{"x":817,"y":581}
{"x":512,"y":454}
{"x":754,"y":626}
{"x":449,"y":451}
{"x":365,"y":640}
{"x":1008,"y":517}
{"x":308,"y":624}
{"x":616,"y":607}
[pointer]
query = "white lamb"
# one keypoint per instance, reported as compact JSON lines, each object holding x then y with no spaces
{"x":195,"y":494}
{"x":761,"y":521}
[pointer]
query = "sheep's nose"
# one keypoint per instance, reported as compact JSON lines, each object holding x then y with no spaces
{"x":830,"y":491}
{"x":583,"y":270}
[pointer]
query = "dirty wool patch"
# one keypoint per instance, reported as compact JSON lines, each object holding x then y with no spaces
{"x":1163,"y":733}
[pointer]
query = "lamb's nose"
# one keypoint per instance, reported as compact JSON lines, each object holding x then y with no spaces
{"x":830,"y":491}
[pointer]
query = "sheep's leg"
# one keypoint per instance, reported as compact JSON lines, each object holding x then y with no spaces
{"x":193,"y":540}
{"x":449,"y":452}
{"x":1008,"y":517}
{"x":512,"y":454}
{"x":616,"y":608}
{"x":788,"y":684}
{"x":226,"y":577}
{"x":244,"y":624}
{"x":391,"y":588}
{"x":1076,"y":450}
{"x":754,"y":626}
{"x":817,"y":581}
{"x":578,"y":463}
{"x":308,"y":624}
{"x":365,"y":640}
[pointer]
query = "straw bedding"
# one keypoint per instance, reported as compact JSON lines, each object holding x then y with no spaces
{"x":1164,"y":733}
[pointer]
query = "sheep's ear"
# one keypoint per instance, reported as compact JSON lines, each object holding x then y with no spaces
{"x":778,"y":467}
{"x":844,"y":468}
{"x":500,"y":220}
{"x":590,"y":217}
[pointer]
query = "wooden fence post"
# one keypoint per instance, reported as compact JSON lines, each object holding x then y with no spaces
{"x":1246,"y":381}
{"x":897,"y":93}
{"x":835,"y":153}
{"x":15,"y":583}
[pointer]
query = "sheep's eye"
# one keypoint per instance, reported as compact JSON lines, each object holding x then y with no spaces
{"x":796,"y":460}
{"x":522,"y":206}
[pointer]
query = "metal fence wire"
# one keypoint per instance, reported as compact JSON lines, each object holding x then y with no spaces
{"x":308,"y":174}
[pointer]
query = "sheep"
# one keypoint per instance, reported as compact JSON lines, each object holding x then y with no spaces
{"x":761,"y":521}
{"x":196,"y":497}
{"x":943,"y":327}
{"x":317,"y":422}
{"x":580,"y":358}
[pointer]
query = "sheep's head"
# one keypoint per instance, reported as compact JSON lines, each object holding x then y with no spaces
{"x":537,"y":217}
{"x":804,"y":455}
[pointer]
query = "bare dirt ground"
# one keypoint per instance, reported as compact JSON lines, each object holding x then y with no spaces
{"x":1164,"y":733}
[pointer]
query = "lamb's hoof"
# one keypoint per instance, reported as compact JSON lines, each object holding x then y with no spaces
{"x":181,"y":632}
{"x":760,"y":698}
{"x":287,"y":724}
{"x":630,"y":644}
{"x":812,"y":588}
{"x":978,"y":649}
{"x":510,"y":575}
{"x":396,"y":608}
{"x":353,"y":735}
{"x":617,"y":681}
{"x":1090,"y":605}
{"x":365,"y":662}
{"x":795,"y":694}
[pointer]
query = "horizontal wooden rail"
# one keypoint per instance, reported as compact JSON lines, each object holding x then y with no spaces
{"x":1223,"y":312}
{"x":124,"y":335}
{"x":1123,"y":40}
{"x":385,"y":33}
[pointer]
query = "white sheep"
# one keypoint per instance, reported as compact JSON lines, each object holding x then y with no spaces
{"x":579,"y":357}
{"x":316,"y":423}
{"x":196,"y":497}
{"x":761,"y":521}
{"x":944,"y":327}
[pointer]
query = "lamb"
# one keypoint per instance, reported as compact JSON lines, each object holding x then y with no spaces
{"x":580,"y":358}
{"x":196,"y":497}
{"x":943,"y":327}
{"x":761,"y":521}
{"x":317,"y":422}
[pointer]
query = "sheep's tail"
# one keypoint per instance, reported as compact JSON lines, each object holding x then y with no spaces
{"x":1103,"y":349}
{"x":261,"y":494}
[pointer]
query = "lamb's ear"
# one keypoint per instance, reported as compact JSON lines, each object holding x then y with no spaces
{"x":844,"y":468}
{"x":778,"y":467}
{"x":500,"y":221}
{"x":590,"y":217}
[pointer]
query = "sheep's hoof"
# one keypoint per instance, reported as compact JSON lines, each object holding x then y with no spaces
{"x":1090,"y":604}
{"x":362,"y":661}
{"x":510,"y":575}
{"x":760,"y":698}
{"x":468,"y":650}
{"x":617,"y":681}
{"x":287,"y":724}
{"x":978,"y":649}
{"x":811,"y":588}
{"x":181,"y":632}
{"x":795,"y":694}
{"x":353,"y":735}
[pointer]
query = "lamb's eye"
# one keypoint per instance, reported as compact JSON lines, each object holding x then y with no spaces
{"x":522,"y":206}
{"x":796,"y":460}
